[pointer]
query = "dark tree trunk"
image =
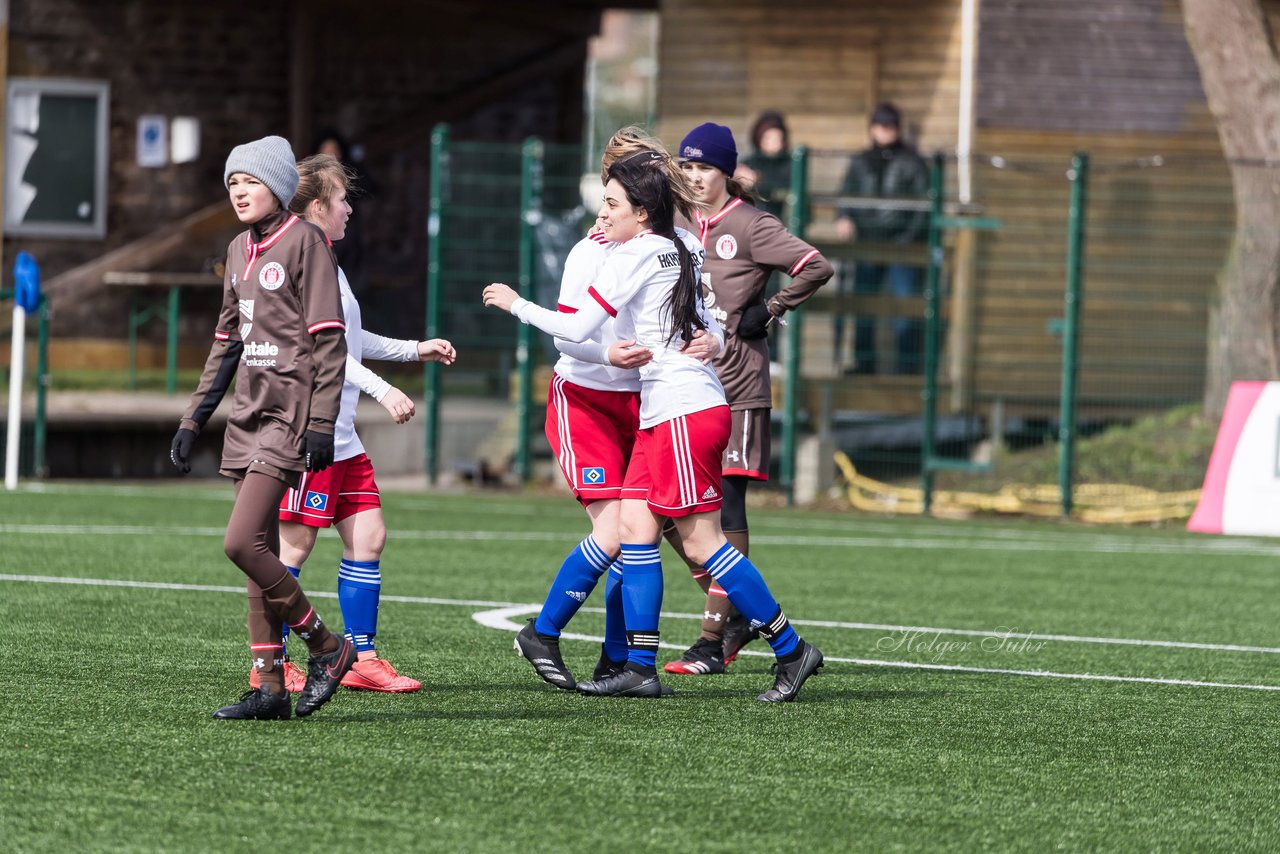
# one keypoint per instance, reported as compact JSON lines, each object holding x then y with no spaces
{"x":1240,"y":71}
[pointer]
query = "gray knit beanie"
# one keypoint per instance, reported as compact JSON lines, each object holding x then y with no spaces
{"x":271,"y":161}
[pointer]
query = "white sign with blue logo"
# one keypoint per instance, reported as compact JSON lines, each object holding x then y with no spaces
{"x":593,"y":476}
{"x":153,"y":141}
{"x":316,"y":500}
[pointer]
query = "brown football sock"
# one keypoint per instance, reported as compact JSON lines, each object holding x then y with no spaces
{"x":264,"y":642}
{"x":252,"y":532}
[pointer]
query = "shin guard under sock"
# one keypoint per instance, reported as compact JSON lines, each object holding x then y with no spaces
{"x":359,"y":589}
{"x":718,"y":608}
{"x":641,"y":601}
{"x":572,"y":585}
{"x":286,"y":598}
{"x":748,"y":592}
{"x":265,"y":653}
{"x":615,"y":622}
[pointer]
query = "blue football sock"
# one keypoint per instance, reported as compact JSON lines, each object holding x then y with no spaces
{"x":359,"y":586}
{"x":573,"y":584}
{"x":750,"y":595}
{"x":615,"y":622}
{"x":284,"y":631}
{"x":641,"y":601}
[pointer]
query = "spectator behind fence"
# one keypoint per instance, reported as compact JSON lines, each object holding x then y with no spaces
{"x":350,"y":251}
{"x":890,"y":168}
{"x":766,"y":172}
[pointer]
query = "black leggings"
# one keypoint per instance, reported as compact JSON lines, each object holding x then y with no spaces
{"x":733,"y":513}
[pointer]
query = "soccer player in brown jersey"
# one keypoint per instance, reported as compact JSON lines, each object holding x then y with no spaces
{"x":744,"y":246}
{"x":280,"y":334}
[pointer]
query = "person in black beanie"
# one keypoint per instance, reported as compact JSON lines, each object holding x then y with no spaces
{"x":890,"y":168}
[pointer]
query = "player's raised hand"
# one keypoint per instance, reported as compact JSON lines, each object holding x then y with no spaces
{"x":399,"y":405}
{"x":625,"y":354}
{"x":703,"y":347}
{"x":498,"y":295}
{"x":437,"y":350}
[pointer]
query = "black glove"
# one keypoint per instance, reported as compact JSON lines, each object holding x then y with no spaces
{"x":317,"y":450}
{"x":755,"y":321}
{"x":180,"y":449}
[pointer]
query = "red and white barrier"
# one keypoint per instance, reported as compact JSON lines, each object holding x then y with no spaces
{"x":1241,"y":493}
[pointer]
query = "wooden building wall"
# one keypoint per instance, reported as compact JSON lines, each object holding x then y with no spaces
{"x":1115,"y":78}
{"x":823,"y":64}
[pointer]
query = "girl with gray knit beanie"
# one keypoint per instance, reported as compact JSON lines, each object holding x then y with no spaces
{"x":280,"y":334}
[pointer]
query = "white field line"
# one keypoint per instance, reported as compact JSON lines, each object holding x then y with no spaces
{"x":977,"y":543}
{"x":500,"y":613}
{"x":500,"y":619}
{"x":909,"y":527}
{"x":999,"y":632}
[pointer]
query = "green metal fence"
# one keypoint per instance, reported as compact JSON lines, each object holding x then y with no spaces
{"x":493,"y":208}
{"x":1084,"y":310}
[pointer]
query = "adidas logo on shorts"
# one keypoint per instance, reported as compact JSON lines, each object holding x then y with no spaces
{"x":709,"y":494}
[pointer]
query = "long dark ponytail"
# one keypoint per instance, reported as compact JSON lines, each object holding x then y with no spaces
{"x":648,"y":185}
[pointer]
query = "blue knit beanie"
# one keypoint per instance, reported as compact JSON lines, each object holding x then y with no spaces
{"x":711,"y":143}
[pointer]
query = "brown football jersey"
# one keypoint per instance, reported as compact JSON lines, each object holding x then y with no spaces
{"x":744,"y":247}
{"x":282,"y":304}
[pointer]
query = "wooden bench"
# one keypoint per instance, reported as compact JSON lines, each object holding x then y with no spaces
{"x":143,"y":307}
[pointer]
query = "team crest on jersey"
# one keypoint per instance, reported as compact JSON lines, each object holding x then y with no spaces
{"x":727,"y":247}
{"x":316,"y":501}
{"x":272,"y":276}
{"x":593,"y":476}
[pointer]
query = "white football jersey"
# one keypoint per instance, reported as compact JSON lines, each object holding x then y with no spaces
{"x":346,"y":442}
{"x":586,"y":364}
{"x":632,"y":288}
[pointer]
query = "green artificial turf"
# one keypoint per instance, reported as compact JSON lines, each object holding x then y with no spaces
{"x":107,"y":690}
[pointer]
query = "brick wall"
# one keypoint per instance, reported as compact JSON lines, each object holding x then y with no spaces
{"x":380,"y":66}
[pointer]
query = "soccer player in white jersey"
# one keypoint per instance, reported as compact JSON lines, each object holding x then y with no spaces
{"x":650,"y":287}
{"x":345,"y":495}
{"x":593,"y":407}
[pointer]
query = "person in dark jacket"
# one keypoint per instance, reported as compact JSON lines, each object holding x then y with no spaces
{"x":766,"y":172}
{"x":889,"y":169}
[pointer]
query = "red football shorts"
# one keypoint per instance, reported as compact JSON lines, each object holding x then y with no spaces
{"x":591,"y":433}
{"x":675,"y":466}
{"x":324,"y":497}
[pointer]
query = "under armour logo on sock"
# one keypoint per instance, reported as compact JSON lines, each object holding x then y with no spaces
{"x":707,"y":615}
{"x":259,"y":664}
